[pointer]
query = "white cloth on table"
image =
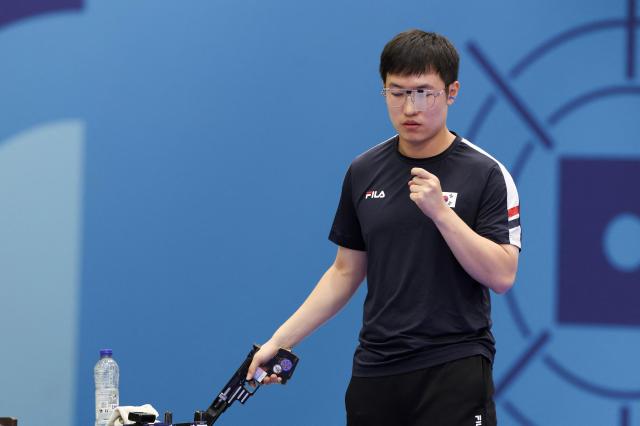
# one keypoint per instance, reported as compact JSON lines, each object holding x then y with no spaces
{"x":120,"y":415}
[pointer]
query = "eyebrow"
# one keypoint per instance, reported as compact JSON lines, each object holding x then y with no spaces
{"x":398,"y":86}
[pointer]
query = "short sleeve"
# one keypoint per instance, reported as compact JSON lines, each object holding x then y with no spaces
{"x":346,"y":231}
{"x":499,"y":212}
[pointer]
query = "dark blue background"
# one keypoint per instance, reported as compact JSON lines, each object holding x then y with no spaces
{"x":216,"y":136}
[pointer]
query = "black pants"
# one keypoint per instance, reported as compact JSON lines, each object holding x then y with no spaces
{"x":458,"y":393}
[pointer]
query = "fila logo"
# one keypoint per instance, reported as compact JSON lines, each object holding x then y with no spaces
{"x":478,"y":420}
{"x":450,"y":198}
{"x":374,"y":194}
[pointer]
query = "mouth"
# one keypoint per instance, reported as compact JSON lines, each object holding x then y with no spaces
{"x":411,"y":124}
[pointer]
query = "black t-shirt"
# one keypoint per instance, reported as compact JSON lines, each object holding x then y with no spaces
{"x":422,"y":308}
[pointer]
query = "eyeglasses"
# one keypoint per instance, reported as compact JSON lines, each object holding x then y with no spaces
{"x":422,"y":99}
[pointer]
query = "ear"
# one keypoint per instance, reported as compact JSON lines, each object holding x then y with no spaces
{"x":454,"y":89}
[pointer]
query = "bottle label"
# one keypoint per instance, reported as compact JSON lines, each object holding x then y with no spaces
{"x":106,"y":401}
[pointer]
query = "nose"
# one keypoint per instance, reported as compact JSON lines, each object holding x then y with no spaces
{"x":409,"y":107}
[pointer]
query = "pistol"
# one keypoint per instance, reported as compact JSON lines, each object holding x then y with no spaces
{"x":240,"y":389}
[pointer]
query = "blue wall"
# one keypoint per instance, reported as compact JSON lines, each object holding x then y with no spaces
{"x":169,"y":172}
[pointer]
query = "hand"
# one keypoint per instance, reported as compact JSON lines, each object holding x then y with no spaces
{"x":264,"y":355}
{"x":426,"y":192}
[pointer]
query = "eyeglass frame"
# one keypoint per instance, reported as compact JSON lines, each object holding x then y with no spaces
{"x":411,"y":93}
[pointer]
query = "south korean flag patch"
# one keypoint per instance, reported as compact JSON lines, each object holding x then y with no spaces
{"x":450,"y":198}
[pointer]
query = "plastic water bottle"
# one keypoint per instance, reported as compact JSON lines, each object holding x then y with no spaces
{"x":106,"y":374}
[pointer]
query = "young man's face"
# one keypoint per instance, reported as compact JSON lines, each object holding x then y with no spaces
{"x":419,"y":121}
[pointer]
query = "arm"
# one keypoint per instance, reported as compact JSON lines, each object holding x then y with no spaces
{"x":332,"y":292}
{"x":491,"y":264}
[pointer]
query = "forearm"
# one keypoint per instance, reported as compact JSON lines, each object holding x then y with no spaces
{"x":332,"y":292}
{"x":487,"y":262}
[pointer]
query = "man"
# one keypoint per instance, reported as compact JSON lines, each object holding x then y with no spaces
{"x":432,"y":221}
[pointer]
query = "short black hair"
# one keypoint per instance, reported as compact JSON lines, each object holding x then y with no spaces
{"x":417,"y":52}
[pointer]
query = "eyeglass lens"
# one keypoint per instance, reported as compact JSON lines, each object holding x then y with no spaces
{"x":421,"y":99}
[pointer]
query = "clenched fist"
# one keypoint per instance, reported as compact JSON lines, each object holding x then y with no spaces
{"x":426,"y":192}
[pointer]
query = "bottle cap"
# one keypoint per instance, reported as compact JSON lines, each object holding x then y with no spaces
{"x":106,"y":352}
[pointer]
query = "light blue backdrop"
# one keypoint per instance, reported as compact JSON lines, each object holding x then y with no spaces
{"x":169,"y":172}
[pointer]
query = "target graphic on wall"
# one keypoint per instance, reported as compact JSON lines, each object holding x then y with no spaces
{"x":575,"y":155}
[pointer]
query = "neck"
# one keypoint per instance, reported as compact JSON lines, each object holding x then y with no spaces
{"x":431,"y":147}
